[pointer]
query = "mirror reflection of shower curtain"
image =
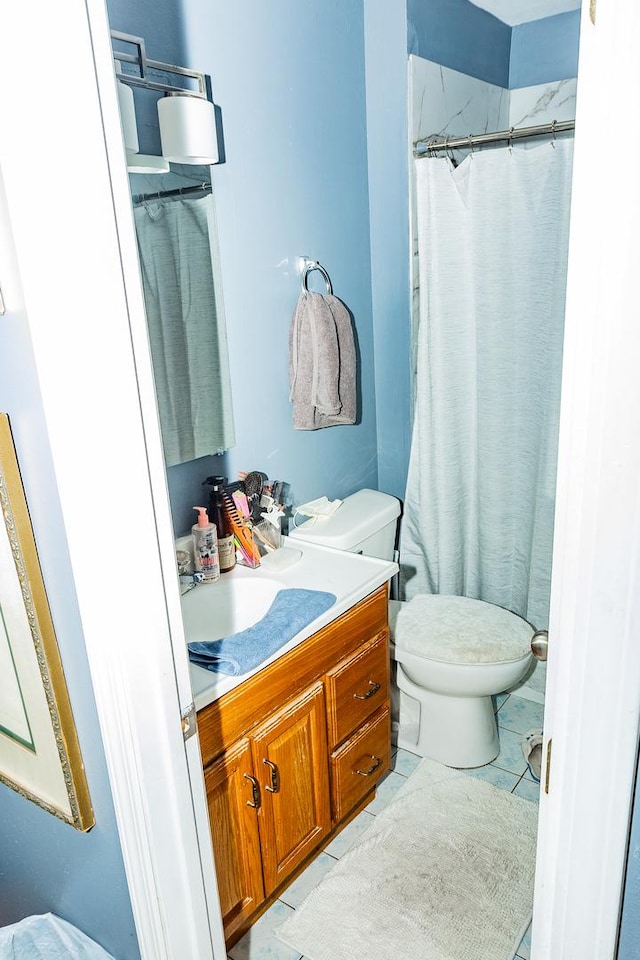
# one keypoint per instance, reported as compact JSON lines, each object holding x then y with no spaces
{"x":187,"y":331}
{"x":492,"y":240}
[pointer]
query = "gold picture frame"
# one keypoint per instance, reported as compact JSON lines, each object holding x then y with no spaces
{"x":40,"y":754}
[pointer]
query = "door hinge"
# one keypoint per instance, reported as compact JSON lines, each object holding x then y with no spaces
{"x":189,"y":725}
{"x":547,"y":773}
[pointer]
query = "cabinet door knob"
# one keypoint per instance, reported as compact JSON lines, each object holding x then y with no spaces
{"x":255,"y":792}
{"x":275,"y":776}
{"x":367,"y":773}
{"x":373,"y":689}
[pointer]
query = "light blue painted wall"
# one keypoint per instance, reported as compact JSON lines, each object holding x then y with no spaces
{"x":388,"y":171}
{"x":461,"y":36}
{"x":45,"y":864}
{"x":290,"y":83}
{"x":314,"y":137}
{"x":315,"y":144}
{"x":545,"y":50}
{"x":292,"y":95}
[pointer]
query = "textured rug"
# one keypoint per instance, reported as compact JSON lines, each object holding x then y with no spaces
{"x":445,"y":872}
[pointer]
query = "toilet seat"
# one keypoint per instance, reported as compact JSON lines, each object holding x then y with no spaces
{"x":461,"y":630}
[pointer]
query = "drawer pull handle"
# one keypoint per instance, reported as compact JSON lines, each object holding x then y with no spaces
{"x":255,"y":790}
{"x":275,"y":776}
{"x":371,"y":692}
{"x":367,"y":773}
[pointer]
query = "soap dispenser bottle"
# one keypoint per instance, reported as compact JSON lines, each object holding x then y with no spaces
{"x":205,"y":547}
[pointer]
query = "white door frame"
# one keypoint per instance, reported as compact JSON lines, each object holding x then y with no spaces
{"x":68,"y":202}
{"x":593,"y":692}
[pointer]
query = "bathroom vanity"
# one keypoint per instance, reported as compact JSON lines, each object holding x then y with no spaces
{"x":292,"y":753}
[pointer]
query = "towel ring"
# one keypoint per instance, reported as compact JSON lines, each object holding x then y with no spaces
{"x":314,"y":265}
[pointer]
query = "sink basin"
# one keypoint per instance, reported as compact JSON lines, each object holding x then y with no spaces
{"x":231,"y":604}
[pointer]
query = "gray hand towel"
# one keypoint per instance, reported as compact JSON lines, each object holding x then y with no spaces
{"x":322,"y":363}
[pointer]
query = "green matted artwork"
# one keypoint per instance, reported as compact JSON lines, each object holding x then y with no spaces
{"x":39,"y":751}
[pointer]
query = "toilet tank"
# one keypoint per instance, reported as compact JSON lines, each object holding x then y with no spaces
{"x":364,"y":523}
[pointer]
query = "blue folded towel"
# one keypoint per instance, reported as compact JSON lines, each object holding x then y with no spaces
{"x":290,"y":611}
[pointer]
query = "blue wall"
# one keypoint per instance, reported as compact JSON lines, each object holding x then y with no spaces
{"x":45,"y":864}
{"x":387,"y":135}
{"x":291,"y":89}
{"x":545,"y":50}
{"x":292,"y":96}
{"x":461,"y":36}
{"x":315,"y":146}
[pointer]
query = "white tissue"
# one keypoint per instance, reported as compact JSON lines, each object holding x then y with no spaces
{"x":322,"y":507}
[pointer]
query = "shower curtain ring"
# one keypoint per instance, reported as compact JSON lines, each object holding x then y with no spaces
{"x":553,"y":133}
{"x":449,"y":153}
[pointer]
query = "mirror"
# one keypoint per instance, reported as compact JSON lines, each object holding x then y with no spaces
{"x":175,"y":222}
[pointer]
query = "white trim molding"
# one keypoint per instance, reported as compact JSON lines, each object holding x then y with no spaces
{"x":593,"y":695}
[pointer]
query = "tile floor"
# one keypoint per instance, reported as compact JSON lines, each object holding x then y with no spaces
{"x":508,"y":771}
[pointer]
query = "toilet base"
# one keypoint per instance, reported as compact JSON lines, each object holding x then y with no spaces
{"x":456,"y":731}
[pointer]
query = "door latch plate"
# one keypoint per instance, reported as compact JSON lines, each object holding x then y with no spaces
{"x":189,"y":724}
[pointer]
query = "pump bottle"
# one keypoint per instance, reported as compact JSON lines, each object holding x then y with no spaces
{"x":205,"y":547}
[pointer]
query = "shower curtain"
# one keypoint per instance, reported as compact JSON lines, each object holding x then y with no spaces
{"x":492,"y":247}
{"x":187,"y":332}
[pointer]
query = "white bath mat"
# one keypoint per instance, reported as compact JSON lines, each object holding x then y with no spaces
{"x":445,"y":872}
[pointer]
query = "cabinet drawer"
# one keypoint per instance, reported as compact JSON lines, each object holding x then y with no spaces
{"x":356,"y":688}
{"x":360,"y":762}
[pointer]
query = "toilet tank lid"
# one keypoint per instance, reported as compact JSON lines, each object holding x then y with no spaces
{"x":359,"y":516}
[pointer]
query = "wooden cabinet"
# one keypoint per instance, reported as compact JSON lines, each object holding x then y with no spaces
{"x":292,"y":754}
{"x":290,"y":760}
{"x":232,"y":804}
{"x":359,"y":723}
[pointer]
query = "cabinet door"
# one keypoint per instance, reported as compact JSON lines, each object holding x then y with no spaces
{"x":234,"y":831}
{"x":291,"y":763}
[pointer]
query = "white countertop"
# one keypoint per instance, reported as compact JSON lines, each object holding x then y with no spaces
{"x":351,"y":577}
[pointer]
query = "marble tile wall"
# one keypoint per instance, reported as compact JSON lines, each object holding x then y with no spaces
{"x":445,"y":102}
{"x":543,"y":103}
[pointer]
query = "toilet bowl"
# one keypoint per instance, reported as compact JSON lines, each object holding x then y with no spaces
{"x":453,"y":654}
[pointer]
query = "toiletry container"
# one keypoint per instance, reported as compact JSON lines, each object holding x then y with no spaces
{"x":219,"y":516}
{"x":205,"y":548}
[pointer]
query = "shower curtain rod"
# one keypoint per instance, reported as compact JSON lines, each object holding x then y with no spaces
{"x":177,"y":192}
{"x":514,"y":133}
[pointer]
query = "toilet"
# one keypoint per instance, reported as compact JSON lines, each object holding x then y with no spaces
{"x":452,"y":654}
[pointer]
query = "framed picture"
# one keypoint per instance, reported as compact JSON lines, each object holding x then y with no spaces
{"x":39,"y":750}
